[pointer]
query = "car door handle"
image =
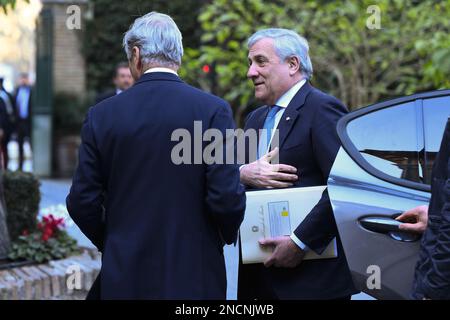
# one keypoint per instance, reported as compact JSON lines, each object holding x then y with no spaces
{"x":389,"y":226}
{"x":380,"y":224}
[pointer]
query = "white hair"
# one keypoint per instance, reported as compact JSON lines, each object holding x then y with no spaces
{"x":287,"y":44}
{"x":158,"y":38}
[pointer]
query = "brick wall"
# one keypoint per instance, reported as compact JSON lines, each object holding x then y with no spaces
{"x":69,"y":71}
{"x":51,"y":281}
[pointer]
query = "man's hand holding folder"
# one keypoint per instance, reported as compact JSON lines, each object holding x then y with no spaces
{"x":270,"y":218}
{"x":286,"y":254}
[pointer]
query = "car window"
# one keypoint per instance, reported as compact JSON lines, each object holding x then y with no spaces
{"x":391,"y":140}
{"x":435,"y":114}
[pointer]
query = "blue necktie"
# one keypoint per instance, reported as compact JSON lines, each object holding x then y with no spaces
{"x":269,"y":124}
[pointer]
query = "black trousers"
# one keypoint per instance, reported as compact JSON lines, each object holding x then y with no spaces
{"x":94,"y":292}
{"x":252,"y":285}
{"x":5,"y":155}
{"x":23,"y":131}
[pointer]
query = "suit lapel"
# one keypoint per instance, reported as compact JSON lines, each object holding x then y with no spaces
{"x":291,"y":113}
{"x":257,"y":121}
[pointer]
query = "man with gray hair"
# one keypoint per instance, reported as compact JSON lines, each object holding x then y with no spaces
{"x":280,"y":69}
{"x":160,"y":226}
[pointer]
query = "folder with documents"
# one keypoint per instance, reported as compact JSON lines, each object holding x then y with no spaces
{"x":272,"y":213}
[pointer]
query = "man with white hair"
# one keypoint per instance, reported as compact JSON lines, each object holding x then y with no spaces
{"x":280,"y":69}
{"x":161,"y":226}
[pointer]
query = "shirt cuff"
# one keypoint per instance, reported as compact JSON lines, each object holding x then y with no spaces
{"x":241,"y":167}
{"x":300,"y":244}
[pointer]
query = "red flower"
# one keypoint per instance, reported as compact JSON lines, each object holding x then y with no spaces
{"x":50,"y":226}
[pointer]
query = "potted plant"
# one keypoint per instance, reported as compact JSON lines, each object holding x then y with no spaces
{"x":49,"y":241}
{"x":30,"y":236}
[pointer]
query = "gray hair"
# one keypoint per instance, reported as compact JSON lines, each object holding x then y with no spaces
{"x":287,"y":44}
{"x":158,"y":38}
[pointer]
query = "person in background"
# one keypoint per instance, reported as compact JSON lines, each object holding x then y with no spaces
{"x":432,"y":275}
{"x":7,"y":121}
{"x":122,"y":81}
{"x":3,"y":117}
{"x":23,"y":100}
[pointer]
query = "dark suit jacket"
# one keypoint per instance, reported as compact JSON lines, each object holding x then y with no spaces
{"x":105,"y":95}
{"x":165,"y":224}
{"x":432,"y":276}
{"x":309,"y":142}
{"x":7,"y":119}
{"x":4,"y":122}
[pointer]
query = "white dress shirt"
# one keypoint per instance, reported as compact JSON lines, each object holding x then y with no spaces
{"x":284,"y":101}
{"x":23,"y":98}
{"x":160,"y":69}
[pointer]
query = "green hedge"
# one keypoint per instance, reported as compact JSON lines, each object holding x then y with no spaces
{"x":22,"y":198}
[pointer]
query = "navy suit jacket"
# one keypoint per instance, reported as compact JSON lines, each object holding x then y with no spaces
{"x":160,"y":226}
{"x":105,"y":95}
{"x":309,"y":142}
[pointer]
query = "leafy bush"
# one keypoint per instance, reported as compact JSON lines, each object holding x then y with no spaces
{"x":22,"y":198}
{"x":49,"y":241}
{"x":7,"y":5}
{"x":356,"y":64}
{"x":69,"y":111}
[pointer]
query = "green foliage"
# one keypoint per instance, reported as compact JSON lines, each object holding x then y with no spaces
{"x":104,"y":33}
{"x":437,"y":50}
{"x":22,"y":198}
{"x":69,"y":112}
{"x":8,"y":4}
{"x":357,"y":64}
{"x":226,"y":25}
{"x":31,"y":247}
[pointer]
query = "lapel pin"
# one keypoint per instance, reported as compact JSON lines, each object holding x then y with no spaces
{"x":288,"y":118}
